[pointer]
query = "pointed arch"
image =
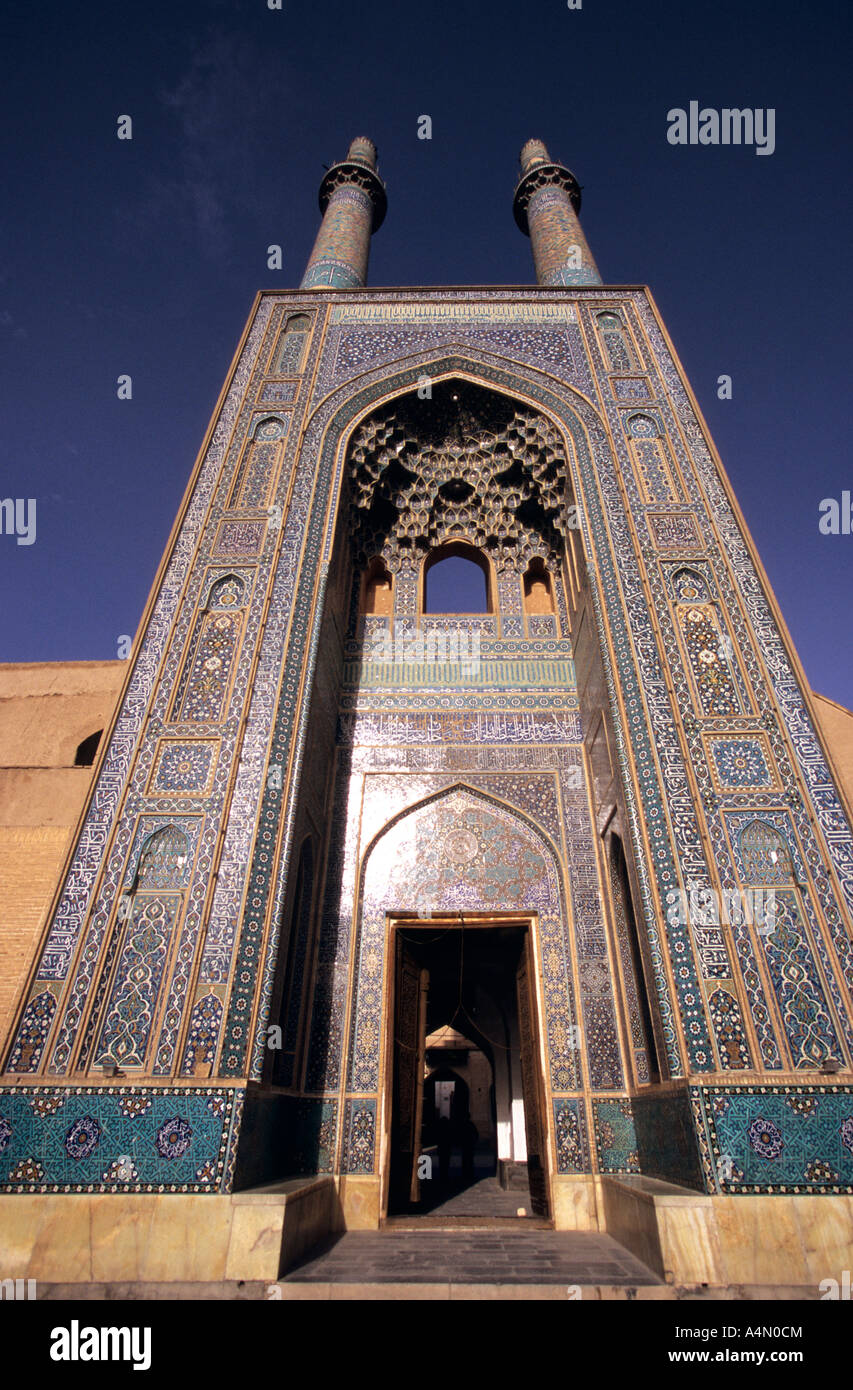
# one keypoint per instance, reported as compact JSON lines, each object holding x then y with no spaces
{"x":162,"y":859}
{"x":227,"y":591}
{"x":267,"y":428}
{"x":538,"y":588}
{"x":329,"y":428}
{"x":474,"y":558}
{"x":689,"y":586}
{"x":377,"y":589}
{"x":460,"y":849}
{"x":536,"y":830}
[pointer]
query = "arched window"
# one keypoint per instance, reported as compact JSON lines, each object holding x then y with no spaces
{"x":378,"y":591}
{"x":538,"y":590}
{"x":85,"y":755}
{"x":457,"y":580}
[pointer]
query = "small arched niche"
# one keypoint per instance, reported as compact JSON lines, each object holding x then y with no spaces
{"x":457,"y":578}
{"x":290,"y":347}
{"x":162,"y":860}
{"x":377,"y":590}
{"x":538,"y":588}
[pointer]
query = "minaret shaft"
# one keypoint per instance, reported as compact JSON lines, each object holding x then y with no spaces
{"x":546,"y":206}
{"x":353,"y":203}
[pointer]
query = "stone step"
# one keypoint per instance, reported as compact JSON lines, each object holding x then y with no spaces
{"x":506,"y":1224}
{"x":481,"y":1256}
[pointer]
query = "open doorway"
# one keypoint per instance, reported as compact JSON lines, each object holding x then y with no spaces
{"x":466,"y":1133}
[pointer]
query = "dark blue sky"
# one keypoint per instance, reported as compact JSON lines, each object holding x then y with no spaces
{"x":143,"y":257}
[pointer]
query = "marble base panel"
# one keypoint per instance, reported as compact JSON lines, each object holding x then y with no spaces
{"x":359,"y":1199}
{"x":575,"y":1203}
{"x":690,"y":1238}
{"x":685,"y":1237}
{"x":163,"y":1238}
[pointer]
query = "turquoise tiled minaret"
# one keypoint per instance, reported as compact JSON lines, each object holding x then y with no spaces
{"x":353,"y":204}
{"x":546,"y":206}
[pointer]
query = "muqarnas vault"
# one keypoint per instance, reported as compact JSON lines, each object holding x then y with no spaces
{"x":341,"y":842}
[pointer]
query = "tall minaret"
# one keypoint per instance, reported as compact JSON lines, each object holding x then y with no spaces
{"x":546,"y":204}
{"x":353,"y":204}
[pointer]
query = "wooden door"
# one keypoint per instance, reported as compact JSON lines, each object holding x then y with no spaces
{"x":410,"y":996}
{"x":531,"y":1081}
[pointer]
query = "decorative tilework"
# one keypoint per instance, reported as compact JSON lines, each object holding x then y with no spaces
{"x":805,"y":1017}
{"x":812,"y":766}
{"x":613,"y":340}
{"x":498,"y":726}
{"x":367,"y":346}
{"x":740,"y":763}
{"x":164,"y":637}
{"x":648,"y":745}
{"x":205,"y":1022}
{"x":775,"y":1138}
{"x":33,"y":1031}
{"x":182,"y":768}
{"x":728,"y":1027}
{"x":766,"y":855}
{"x":713,"y":682}
{"x":141,"y":965}
{"x":274,"y":391}
{"x":674,"y":531}
{"x":615,"y":1137}
{"x":208,"y":677}
{"x":509,"y":869}
{"x":570,"y":1134}
{"x":542,"y":626}
{"x":176,"y":1141}
{"x":252,"y":487}
{"x":291,"y":346}
{"x":627,"y":388}
{"x":360,"y":1130}
{"x":160,"y":852}
{"x":241,"y":539}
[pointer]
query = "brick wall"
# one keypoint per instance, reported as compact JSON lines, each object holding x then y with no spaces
{"x":46,"y":710}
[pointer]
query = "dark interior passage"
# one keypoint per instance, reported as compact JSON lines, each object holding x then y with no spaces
{"x":460,"y":1119}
